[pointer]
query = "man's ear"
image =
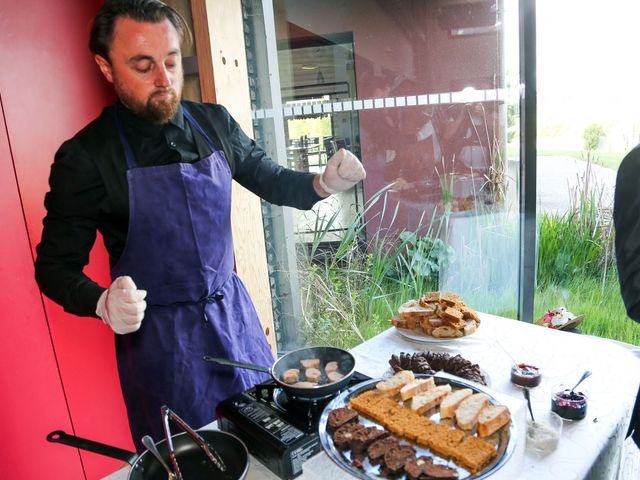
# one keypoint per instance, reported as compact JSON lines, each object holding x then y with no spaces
{"x":105,"y":67}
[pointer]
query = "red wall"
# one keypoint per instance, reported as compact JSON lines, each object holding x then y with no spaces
{"x":63,"y":373}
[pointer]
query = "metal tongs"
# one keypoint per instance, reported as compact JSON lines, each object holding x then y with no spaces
{"x":209,"y":451}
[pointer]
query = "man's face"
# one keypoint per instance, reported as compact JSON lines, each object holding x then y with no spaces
{"x":145,"y":67}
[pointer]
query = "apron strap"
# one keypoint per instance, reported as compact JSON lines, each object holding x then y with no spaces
{"x":192,"y":121}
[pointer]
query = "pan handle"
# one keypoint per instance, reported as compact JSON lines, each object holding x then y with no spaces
{"x":209,"y":451}
{"x":231,"y":363}
{"x":59,"y":436}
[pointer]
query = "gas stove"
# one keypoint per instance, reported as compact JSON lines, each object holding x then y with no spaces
{"x":279,"y":430}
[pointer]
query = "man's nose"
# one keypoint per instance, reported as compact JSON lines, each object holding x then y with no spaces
{"x":162,"y":77}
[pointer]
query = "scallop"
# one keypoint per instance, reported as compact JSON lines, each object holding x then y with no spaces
{"x":310,"y":363}
{"x":312,"y":374}
{"x":291,"y":376}
{"x":331,"y":367}
{"x":334,"y":376}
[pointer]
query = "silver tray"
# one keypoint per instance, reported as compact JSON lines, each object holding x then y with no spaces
{"x":504,"y":439}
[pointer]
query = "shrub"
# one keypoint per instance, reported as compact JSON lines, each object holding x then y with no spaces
{"x":591,"y":136}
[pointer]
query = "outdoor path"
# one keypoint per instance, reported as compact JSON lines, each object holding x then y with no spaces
{"x":558,"y":175}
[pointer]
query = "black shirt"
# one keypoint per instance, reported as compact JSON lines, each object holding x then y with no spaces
{"x":626,"y":217}
{"x":89,"y":192}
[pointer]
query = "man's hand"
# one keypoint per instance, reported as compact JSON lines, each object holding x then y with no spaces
{"x":342,"y":172}
{"x":122,"y":306}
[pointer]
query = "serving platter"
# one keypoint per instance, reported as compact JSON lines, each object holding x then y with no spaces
{"x":418,"y":337}
{"x":504,"y":439}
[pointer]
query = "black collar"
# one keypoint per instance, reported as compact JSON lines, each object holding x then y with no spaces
{"x":139,"y":125}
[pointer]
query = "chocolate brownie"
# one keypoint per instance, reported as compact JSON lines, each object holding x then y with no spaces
{"x":423,"y":468}
{"x":343,"y":436}
{"x":395,"y":458}
{"x":376,"y":450}
{"x":341,"y":416}
{"x":363,"y":438}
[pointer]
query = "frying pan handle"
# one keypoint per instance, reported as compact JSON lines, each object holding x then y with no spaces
{"x":167,"y":414}
{"x":60,"y":436}
{"x":231,"y":363}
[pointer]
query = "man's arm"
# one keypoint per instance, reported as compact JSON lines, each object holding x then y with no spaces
{"x":69,"y":231}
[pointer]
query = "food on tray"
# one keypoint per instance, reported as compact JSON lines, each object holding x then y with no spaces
{"x":440,"y":315}
{"x":569,"y":404}
{"x":310,"y":363}
{"x":423,"y":467}
{"x":525,"y":375}
{"x":469,"y":409}
{"x":291,"y":376}
{"x":343,"y":436}
{"x":431,"y":362}
{"x":443,"y":439}
{"x":417,"y":386}
{"x":429,"y":399}
{"x":452,"y":401}
{"x":341,"y":416}
{"x":394,"y":384}
{"x":361,"y":441}
{"x":491,"y":418}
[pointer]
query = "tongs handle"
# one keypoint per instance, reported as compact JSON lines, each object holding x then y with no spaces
{"x":167,"y":414}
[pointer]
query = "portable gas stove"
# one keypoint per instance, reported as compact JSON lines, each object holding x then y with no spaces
{"x":279,"y":430}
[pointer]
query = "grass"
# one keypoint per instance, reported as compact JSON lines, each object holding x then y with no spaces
{"x":606,"y":159}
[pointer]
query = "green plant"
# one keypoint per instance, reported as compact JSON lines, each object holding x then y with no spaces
{"x":591,"y":136}
{"x":426,"y":255}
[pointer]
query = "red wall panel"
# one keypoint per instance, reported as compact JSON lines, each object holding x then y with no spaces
{"x":33,"y":402}
{"x":50,"y":89}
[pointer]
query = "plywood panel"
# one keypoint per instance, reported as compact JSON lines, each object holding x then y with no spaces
{"x":224,"y":21}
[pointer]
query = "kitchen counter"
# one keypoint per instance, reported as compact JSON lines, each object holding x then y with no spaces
{"x":588,"y":449}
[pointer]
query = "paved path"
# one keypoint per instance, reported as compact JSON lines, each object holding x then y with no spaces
{"x":558,"y":176}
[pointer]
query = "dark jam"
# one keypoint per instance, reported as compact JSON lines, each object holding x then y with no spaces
{"x":569,"y":405}
{"x":526,"y":375}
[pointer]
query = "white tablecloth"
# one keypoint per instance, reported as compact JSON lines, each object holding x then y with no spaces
{"x":588,"y":449}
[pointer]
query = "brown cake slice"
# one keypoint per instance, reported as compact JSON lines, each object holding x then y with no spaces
{"x":377,"y":449}
{"x":341,"y":416}
{"x":395,"y":458}
{"x":343,"y":436}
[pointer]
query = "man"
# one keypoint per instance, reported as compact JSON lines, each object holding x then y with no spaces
{"x":627,"y":243}
{"x":153,"y":175}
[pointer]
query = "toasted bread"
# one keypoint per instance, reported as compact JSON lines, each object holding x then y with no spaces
{"x":430,"y":399}
{"x":392,"y":385}
{"x":492,"y":418}
{"x":416,"y":386}
{"x":446,"y":332}
{"x":470,"y":328}
{"x":452,"y":401}
{"x":469,"y":409}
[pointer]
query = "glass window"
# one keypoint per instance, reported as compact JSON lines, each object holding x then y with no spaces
{"x":426,"y":93}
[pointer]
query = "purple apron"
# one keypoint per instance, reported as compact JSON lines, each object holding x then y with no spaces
{"x":180,"y":249}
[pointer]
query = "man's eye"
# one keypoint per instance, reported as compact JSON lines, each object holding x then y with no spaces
{"x":143,"y":68}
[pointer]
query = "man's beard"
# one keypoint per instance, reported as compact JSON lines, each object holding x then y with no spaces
{"x":154,"y":111}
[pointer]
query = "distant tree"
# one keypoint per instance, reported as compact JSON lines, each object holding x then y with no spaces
{"x":591,"y":135}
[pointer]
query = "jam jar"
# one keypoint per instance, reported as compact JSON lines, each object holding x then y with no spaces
{"x":526,"y":375}
{"x":569,"y":405}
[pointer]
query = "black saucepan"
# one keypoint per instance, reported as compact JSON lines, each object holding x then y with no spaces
{"x":346,"y":366}
{"x":194,"y":465}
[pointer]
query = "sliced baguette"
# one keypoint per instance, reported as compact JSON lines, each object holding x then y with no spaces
{"x":392,"y":385}
{"x":469,"y":409}
{"x":452,"y":401}
{"x":430,"y":399}
{"x":417,"y":386}
{"x":492,"y":418}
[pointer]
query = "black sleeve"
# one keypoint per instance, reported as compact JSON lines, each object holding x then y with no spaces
{"x":626,"y":219}
{"x":69,"y":231}
{"x":255,"y":171}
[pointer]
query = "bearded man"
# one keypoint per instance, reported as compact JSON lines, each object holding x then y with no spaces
{"x":153,"y":175}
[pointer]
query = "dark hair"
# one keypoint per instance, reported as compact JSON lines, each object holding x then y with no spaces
{"x":151,"y":11}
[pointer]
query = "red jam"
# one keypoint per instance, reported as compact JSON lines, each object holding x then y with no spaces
{"x":526,"y":375}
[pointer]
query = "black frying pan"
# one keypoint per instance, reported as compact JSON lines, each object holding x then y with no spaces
{"x":194,"y":465}
{"x":346,"y":366}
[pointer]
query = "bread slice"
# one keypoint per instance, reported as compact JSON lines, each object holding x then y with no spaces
{"x":417,"y":386}
{"x":446,"y":332}
{"x":392,"y":385}
{"x":492,"y":418}
{"x":468,"y":411}
{"x":452,"y":401}
{"x":470,"y":328}
{"x":430,"y":399}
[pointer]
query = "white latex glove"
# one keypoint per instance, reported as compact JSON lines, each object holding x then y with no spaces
{"x":342,"y":172}
{"x":122,"y":306}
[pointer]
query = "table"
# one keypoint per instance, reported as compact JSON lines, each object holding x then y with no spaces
{"x":588,"y":449}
